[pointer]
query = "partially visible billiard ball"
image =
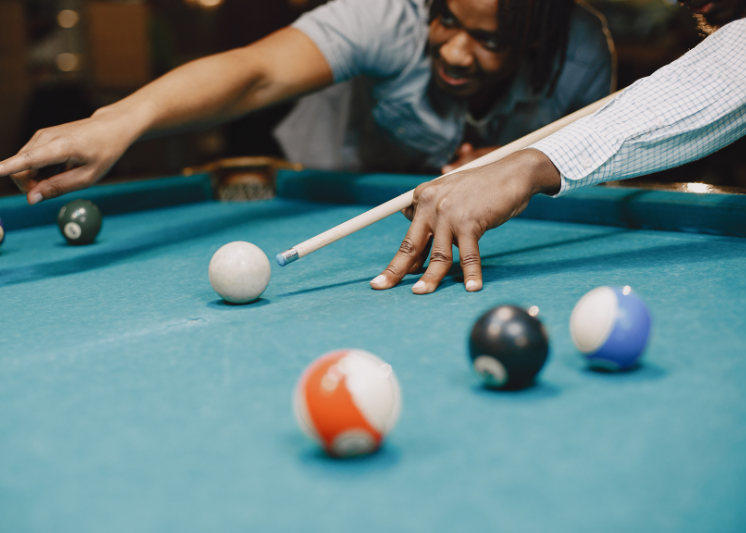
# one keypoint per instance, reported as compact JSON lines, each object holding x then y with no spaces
{"x":610,"y":326}
{"x":239,"y":272}
{"x":2,"y":232}
{"x":347,"y":401}
{"x":508,"y":347}
{"x":79,"y":221}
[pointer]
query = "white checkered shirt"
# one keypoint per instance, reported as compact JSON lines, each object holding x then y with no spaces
{"x":684,"y":111}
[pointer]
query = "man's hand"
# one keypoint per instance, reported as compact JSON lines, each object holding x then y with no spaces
{"x":458,"y":210}
{"x":466,"y":154}
{"x":69,"y":157}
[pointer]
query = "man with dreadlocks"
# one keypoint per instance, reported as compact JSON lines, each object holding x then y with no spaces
{"x":432,"y":82}
{"x":434,"y":86}
{"x":684,"y":111}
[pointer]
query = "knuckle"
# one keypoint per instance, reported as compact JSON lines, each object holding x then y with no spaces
{"x":443,"y":206}
{"x":469,"y":259}
{"x":393,"y":271}
{"x":63,"y":143}
{"x":427,"y":195}
{"x":418,"y":191}
{"x":440,"y":256}
{"x":407,"y":247}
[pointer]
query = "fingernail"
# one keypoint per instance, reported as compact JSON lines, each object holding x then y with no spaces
{"x":378,"y":280}
{"x":418,"y":285}
{"x":471,"y":284}
{"x":35,"y":198}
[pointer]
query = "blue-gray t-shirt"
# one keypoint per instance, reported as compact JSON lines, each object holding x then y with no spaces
{"x":379,"y":115}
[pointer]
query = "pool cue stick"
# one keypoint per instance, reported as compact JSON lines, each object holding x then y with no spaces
{"x":405,"y":200}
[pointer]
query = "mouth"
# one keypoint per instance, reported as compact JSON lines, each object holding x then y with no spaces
{"x":451,"y":78}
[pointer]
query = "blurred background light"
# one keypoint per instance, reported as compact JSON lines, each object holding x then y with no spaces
{"x":698,"y":187}
{"x":205,"y":4}
{"x":68,"y":62}
{"x":67,"y":18}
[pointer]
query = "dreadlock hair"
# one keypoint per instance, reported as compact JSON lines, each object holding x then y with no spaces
{"x":536,"y":31}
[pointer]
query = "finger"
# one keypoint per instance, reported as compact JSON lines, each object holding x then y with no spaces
{"x":34,"y":159}
{"x":25,"y":180}
{"x":423,"y":257}
{"x":441,"y":259}
{"x":409,"y":251}
{"x":466,"y":149}
{"x":408,"y":212}
{"x":471,"y":262}
{"x":447,"y":168}
{"x":72,"y":180}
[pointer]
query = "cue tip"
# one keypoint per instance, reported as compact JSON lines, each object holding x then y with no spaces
{"x":286,"y":257}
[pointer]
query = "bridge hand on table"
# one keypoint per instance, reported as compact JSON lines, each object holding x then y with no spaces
{"x":457,"y":210}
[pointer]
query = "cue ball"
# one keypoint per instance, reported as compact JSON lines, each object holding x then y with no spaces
{"x":508,"y":347}
{"x":79,"y":221}
{"x":239,"y":272}
{"x":347,"y":401}
{"x":610,"y":326}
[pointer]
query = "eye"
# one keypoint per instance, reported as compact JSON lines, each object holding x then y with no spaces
{"x":447,"y":19}
{"x":492,"y":44}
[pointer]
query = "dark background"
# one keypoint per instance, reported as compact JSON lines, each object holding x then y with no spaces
{"x":62,"y":59}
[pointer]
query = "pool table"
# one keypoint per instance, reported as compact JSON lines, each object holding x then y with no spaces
{"x":132,"y":399}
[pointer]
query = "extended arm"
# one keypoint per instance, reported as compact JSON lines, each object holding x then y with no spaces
{"x":199,"y":94}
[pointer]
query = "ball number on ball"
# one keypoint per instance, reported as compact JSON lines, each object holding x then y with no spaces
{"x":508,"y":347}
{"x":80,"y":221}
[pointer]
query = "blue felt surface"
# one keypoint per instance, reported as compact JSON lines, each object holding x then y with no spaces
{"x":132,"y":399}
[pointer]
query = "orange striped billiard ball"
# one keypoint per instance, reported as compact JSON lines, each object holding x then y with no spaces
{"x":348,"y":401}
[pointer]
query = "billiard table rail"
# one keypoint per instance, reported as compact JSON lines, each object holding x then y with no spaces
{"x":712,"y":211}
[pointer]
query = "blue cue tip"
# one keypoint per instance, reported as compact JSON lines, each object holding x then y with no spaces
{"x":286,"y":257}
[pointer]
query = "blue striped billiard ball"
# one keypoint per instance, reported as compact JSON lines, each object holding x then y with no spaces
{"x":610,"y":326}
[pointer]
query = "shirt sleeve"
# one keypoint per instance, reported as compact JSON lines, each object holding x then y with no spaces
{"x":373,"y":37}
{"x":684,"y":111}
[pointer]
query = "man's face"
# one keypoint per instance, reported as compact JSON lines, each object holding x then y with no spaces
{"x":466,"y":59}
{"x":717,"y":12}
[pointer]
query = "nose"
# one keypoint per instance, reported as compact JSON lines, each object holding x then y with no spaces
{"x":457,"y":50}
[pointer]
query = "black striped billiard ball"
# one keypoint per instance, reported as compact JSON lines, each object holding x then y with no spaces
{"x":508,"y":347}
{"x":79,"y":221}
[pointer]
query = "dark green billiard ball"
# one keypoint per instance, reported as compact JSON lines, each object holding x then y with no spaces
{"x":79,"y":221}
{"x":508,"y":347}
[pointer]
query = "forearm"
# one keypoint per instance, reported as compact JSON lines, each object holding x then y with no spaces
{"x":218,"y":88}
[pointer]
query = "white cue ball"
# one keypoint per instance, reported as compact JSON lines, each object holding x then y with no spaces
{"x":239,"y":272}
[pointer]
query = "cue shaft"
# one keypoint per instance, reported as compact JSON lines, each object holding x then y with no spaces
{"x":405,"y":200}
